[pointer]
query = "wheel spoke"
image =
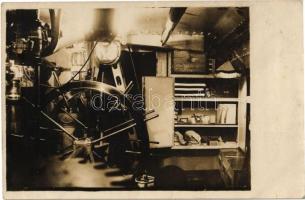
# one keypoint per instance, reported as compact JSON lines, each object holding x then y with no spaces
{"x":53,"y":121}
{"x":75,"y":152}
{"x":115,"y":106}
{"x":112,"y":131}
{"x":90,"y":154}
{"x":76,"y":120}
{"x":51,"y":129}
{"x":67,"y":152}
{"x":58,"y":125}
{"x":119,"y":125}
{"x":66,"y":148}
{"x":62,"y":94}
{"x":97,"y":155}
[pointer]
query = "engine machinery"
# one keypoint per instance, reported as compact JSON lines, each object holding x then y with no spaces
{"x":73,"y":110}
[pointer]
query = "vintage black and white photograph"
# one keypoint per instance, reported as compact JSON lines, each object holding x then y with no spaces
{"x":127,"y":98}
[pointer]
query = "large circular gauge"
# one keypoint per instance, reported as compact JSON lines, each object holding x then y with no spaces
{"x":108,"y":53}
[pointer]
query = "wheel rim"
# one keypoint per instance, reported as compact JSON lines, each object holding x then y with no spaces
{"x":132,"y":118}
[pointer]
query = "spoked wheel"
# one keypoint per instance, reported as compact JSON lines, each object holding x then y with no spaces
{"x":100,"y":122}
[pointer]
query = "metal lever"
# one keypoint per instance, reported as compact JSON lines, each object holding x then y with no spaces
{"x":73,"y":118}
{"x":53,"y":121}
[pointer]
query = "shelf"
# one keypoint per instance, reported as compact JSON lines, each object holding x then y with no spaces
{"x":192,"y":75}
{"x":210,"y":76}
{"x":206,"y":99}
{"x":230,"y":145}
{"x":207,"y":125}
{"x":227,"y":91}
{"x":190,"y":85}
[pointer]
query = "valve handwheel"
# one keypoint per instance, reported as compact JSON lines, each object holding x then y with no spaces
{"x":115,"y":123}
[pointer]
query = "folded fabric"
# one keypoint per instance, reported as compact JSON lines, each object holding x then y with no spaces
{"x":226,"y":114}
{"x":227,"y":75}
{"x":179,"y":138}
{"x":192,"y":137}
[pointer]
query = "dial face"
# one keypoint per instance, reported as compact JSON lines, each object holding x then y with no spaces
{"x":108,"y":53}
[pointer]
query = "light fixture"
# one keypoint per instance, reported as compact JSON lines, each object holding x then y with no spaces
{"x":108,"y":53}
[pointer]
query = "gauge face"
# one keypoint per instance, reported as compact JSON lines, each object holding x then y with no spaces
{"x":108,"y":52}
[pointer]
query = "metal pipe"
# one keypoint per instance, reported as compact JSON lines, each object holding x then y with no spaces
{"x":55,"y":29}
{"x":123,"y":129}
{"x":114,"y":133}
{"x":58,"y":125}
{"x":175,"y":14}
{"x":82,"y":124}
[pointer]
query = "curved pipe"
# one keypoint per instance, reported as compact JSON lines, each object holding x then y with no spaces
{"x":55,"y":25}
{"x":175,"y":14}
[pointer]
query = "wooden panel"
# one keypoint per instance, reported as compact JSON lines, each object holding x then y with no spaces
{"x":189,"y":62}
{"x":159,"y":93}
{"x":241,"y":137}
{"x":194,"y":42}
{"x":192,"y":163}
{"x":161,"y":64}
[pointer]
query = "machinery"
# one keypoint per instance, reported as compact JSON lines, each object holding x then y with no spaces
{"x":89,"y":118}
{"x":95,"y":116}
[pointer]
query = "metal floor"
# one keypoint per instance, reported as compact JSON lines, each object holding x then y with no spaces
{"x":29,"y":169}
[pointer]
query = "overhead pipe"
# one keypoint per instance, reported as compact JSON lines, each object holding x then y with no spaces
{"x":175,"y":14}
{"x":55,"y":29}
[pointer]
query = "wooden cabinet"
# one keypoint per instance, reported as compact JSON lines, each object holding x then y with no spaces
{"x":158,"y":93}
{"x":213,"y":108}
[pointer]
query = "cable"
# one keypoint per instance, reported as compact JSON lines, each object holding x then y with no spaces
{"x":84,"y":63}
